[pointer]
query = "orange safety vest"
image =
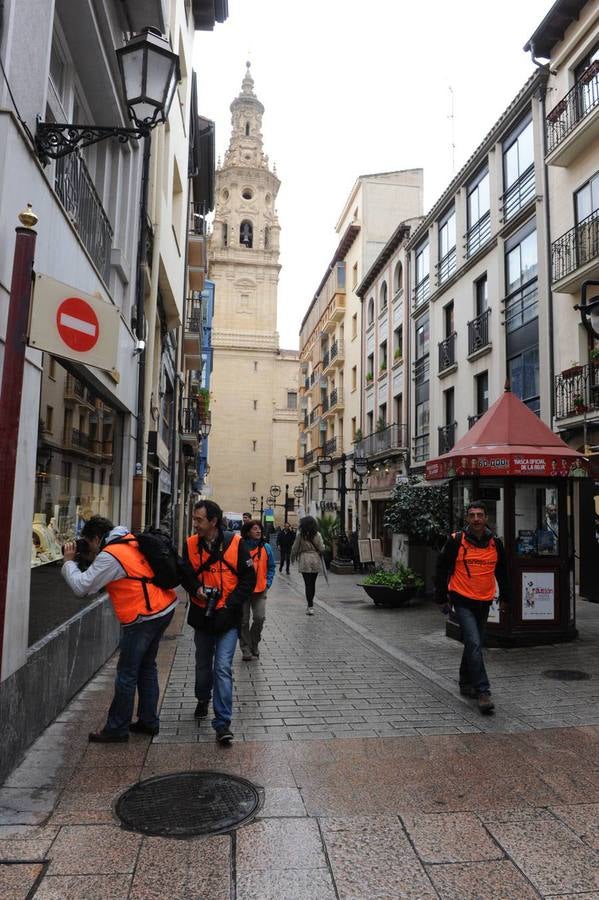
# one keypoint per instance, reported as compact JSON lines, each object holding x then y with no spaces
{"x":260,"y":560}
{"x":474,"y":572}
{"x":221,"y":574}
{"x":135,"y":595}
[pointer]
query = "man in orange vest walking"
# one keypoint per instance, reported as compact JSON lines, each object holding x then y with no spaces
{"x":264,"y":566}
{"x":143,"y":609}
{"x":469,"y":566}
{"x":225,"y":572}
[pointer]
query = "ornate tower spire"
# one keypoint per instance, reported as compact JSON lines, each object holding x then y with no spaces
{"x":245,"y":145}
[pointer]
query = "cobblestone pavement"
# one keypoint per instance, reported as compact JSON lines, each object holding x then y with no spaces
{"x":428,"y":799}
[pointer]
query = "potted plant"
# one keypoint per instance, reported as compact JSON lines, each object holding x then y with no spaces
{"x":369,"y":377}
{"x":329,"y":530}
{"x":383,"y":367}
{"x":398,"y":354}
{"x":594,"y":356}
{"x":203,"y":401}
{"x":579,"y":404}
{"x":380,"y":424}
{"x":358,"y":436}
{"x":392,"y":588}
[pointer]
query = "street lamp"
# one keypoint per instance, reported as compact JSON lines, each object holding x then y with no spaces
{"x":325,"y":467}
{"x":275,"y":490}
{"x":286,"y":519}
{"x":360,"y":470}
{"x":589,"y":309}
{"x":298,"y":492}
{"x":254,"y":502}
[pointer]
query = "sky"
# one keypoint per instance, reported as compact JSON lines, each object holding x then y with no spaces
{"x":351,"y":88}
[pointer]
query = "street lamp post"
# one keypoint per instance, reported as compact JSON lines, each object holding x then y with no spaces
{"x":360,"y":469}
{"x":286,"y":519}
{"x":589,"y":309}
{"x":261,"y":508}
{"x":325,"y":467}
{"x":253,"y":501}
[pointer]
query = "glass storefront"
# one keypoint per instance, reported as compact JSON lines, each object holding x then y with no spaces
{"x":78,"y":475}
{"x":536,"y":510}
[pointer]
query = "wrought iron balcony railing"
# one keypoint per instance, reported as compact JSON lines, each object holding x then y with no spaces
{"x":519,"y":193}
{"x":478,"y":235}
{"x":75,"y":188}
{"x":421,"y":291}
{"x":447,"y":352}
{"x":446,"y":266}
{"x":576,"y":247}
{"x":330,"y":446}
{"x":189,"y":416}
{"x":478,"y":332}
{"x":473,"y":419}
{"x":446,"y":437}
{"x":421,"y":448}
{"x":578,"y":103}
{"x":393,"y":437}
{"x":577,"y":391}
{"x":325,"y":403}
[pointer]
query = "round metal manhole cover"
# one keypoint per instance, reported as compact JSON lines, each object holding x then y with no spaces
{"x":567,"y":674}
{"x":189,"y":803}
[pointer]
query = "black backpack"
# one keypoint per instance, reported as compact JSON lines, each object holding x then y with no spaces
{"x":160,"y":554}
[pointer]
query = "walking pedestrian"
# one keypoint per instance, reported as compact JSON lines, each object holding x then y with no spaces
{"x":285,"y":540}
{"x":470,"y":563}
{"x":225,"y":572}
{"x":264,"y":566}
{"x":307,"y":548}
{"x":144,"y":611}
{"x":245,"y":518}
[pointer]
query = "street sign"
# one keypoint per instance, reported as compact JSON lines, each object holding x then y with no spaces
{"x":73,"y":324}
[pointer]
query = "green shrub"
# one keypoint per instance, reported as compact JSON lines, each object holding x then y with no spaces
{"x":399,"y":578}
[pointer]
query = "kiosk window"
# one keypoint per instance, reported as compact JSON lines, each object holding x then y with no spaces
{"x":537,"y":532}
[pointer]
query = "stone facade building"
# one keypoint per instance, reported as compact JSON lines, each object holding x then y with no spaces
{"x":254,"y":381}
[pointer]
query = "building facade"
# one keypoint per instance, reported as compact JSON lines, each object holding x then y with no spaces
{"x":254,"y":383}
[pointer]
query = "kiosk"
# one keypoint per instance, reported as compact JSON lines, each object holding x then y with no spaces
{"x":525,"y":474}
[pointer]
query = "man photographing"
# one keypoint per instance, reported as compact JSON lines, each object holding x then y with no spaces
{"x":143,"y":609}
{"x":224,"y":569}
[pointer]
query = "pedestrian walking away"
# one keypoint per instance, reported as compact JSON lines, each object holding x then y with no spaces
{"x":224,"y":569}
{"x":307,"y":549}
{"x":285,"y":540}
{"x":264,"y":565}
{"x":470,"y":563}
{"x":143,"y":609}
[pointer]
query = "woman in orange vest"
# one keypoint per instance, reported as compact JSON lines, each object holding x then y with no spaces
{"x":264,"y":565}
{"x":470,"y":564}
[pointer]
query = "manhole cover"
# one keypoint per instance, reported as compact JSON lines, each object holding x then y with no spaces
{"x":189,"y":803}
{"x":566,"y":674}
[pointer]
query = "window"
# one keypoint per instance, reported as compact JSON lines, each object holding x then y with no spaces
{"x":421,"y":291}
{"x":354,"y":378}
{"x":225,"y":234}
{"x":370,"y":422}
{"x":398,"y":410}
{"x":383,"y":357}
{"x":521,"y":277}
{"x":397,"y":278}
{"x":354,"y":325}
{"x":52,"y":369}
{"x":448,"y":321}
{"x":266,"y":237}
{"x":449,"y":406}
{"x":586,"y":199}
{"x":49,"y":418}
{"x":291,"y":399}
{"x":254,"y":445}
{"x":247,"y":129}
{"x":354,"y":275}
{"x":370,"y":367}
{"x":383,"y":296}
{"x":353,"y":428}
{"x":422,"y":336}
{"x":290,"y":464}
{"x":588,"y":85}
{"x":255,"y":404}
{"x":246,"y":234}
{"x":481,"y":295}
{"x":518,"y":168}
{"x":398,"y":343}
{"x":523,"y":371}
{"x":478,"y":212}
{"x":447,"y":241}
{"x":255,"y":366}
{"x":371,"y":311}
{"x":382,"y":419}
{"x":253,"y":486}
{"x":247,"y":194}
{"x":481,"y":388}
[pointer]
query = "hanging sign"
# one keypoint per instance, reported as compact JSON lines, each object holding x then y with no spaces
{"x":531,"y":464}
{"x":73,"y":324}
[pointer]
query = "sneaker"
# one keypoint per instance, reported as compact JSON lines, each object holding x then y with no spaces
{"x":107,"y":737}
{"x":201,"y":709}
{"x":467,"y":691}
{"x":141,"y":728}
{"x":310,"y":611}
{"x":485,"y":703}
{"x":224,"y":736}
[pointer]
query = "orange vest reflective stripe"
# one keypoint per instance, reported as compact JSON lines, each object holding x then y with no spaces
{"x":260,"y":560}
{"x":474,"y":572}
{"x":218,"y":574}
{"x":127,"y":594}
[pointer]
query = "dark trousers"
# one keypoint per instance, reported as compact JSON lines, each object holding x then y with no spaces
{"x":310,"y":583}
{"x":285,"y":558}
{"x":472,"y":616}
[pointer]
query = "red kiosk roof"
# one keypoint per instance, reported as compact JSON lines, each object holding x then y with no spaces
{"x":509,"y":439}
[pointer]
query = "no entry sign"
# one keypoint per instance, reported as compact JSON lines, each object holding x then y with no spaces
{"x":73,"y":324}
{"x":77,"y":324}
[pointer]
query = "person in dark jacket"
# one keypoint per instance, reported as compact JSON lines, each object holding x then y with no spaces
{"x":470,"y":565}
{"x":225,"y":572}
{"x":285,"y":539}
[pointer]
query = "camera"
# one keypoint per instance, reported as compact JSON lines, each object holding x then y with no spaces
{"x":82,"y":547}
{"x":212,"y":595}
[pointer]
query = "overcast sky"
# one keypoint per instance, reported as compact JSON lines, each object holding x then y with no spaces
{"x":352,"y":87}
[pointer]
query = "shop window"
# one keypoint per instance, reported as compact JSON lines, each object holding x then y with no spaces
{"x":78,"y":475}
{"x":535,"y":507}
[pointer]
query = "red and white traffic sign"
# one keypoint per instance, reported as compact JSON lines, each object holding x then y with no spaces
{"x":73,"y":324}
{"x":77,"y":324}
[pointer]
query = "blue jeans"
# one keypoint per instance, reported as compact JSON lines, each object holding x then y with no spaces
{"x":136,"y":670}
{"x":214,"y":672}
{"x":472,"y":616}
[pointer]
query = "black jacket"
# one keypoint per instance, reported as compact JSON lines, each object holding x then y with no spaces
{"x":229,"y":616}
{"x":285,"y":539}
{"x":447,"y":560}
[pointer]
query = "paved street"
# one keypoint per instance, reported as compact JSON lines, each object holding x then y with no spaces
{"x":380,"y":780}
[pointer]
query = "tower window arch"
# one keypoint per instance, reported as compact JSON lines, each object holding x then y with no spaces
{"x":246,"y":233}
{"x":266,"y":237}
{"x":383,"y":296}
{"x":247,"y":129}
{"x":397,"y":278}
{"x":371,"y":311}
{"x":225,"y":234}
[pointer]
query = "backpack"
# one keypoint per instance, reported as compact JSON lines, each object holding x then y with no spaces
{"x":160,"y":554}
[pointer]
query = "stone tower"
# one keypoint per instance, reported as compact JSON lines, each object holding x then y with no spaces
{"x":253,"y":443}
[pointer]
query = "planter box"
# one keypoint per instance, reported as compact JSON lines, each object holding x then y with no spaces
{"x":389,"y":597}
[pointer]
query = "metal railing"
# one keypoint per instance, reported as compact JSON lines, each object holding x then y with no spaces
{"x":336,"y":350}
{"x":189,"y":417}
{"x":325,"y":360}
{"x":421,"y":291}
{"x":421,"y":448}
{"x":333,"y":398}
{"x":478,"y":332}
{"x":446,"y":437}
{"x":330,"y":446}
{"x":75,"y":188}
{"x":325,"y":403}
{"x":80,"y":439}
{"x":578,"y":103}
{"x":519,"y":193}
{"x":576,"y":247}
{"x":577,"y":390}
{"x":446,"y":266}
{"x":447,"y":352}
{"x":473,"y":419}
{"x":393,"y":437}
{"x":478,"y":235}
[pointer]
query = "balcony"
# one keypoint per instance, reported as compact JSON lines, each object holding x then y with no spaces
{"x":335,"y":289}
{"x":311,"y":456}
{"x":192,"y":336}
{"x":573,"y":124}
{"x":325,"y":361}
{"x":324,"y":403}
{"x":446,"y":266}
{"x":190,"y":422}
{"x":388,"y":439}
{"x":337,"y":353}
{"x":80,"y":439}
{"x":197,"y":265}
{"x":478,"y":333}
{"x":519,"y":194}
{"x":575,"y":255}
{"x":75,"y":189}
{"x":421,"y":292}
{"x":477,"y":236}
{"x":577,"y":391}
{"x":74,"y":390}
{"x":472,"y":420}
{"x":336,"y":400}
{"x":333,"y":445}
{"x":447,"y":358}
{"x":447,"y":437}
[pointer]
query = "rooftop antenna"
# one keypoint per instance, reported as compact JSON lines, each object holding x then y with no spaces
{"x":451,"y":118}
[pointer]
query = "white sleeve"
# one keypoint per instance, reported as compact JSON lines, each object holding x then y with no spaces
{"x":104,"y":568}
